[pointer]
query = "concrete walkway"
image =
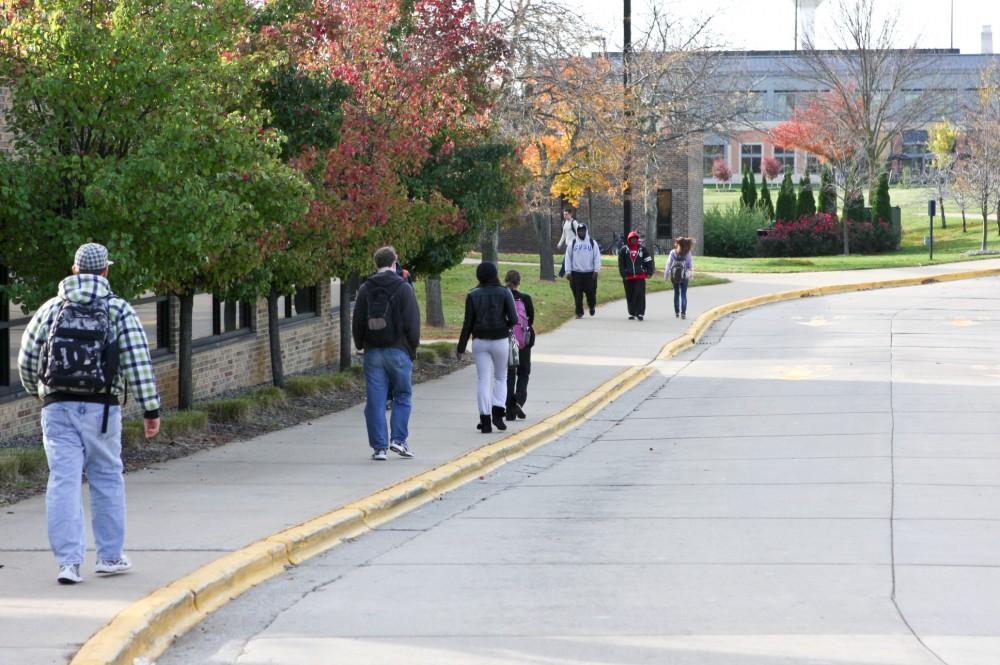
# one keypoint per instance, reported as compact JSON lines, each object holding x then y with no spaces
{"x":188,"y":512}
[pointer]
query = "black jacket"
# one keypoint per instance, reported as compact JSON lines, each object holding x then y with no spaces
{"x":406,"y":312}
{"x":642,"y":265}
{"x":489,"y":314}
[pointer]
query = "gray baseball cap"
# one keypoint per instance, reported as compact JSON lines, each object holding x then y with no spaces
{"x":92,"y":257}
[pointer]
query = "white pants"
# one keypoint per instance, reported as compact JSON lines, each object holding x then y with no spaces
{"x":490,"y":356}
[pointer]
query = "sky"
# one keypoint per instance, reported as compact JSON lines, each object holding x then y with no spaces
{"x":768,"y":24}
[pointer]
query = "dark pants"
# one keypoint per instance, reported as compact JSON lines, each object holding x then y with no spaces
{"x":583,"y":283}
{"x":517,"y":380}
{"x":635,"y":296}
{"x":681,"y":297}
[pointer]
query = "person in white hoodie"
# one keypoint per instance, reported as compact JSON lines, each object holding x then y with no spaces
{"x":583,"y":262}
{"x":568,"y":235}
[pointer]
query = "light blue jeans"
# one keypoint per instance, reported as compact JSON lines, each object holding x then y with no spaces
{"x":71,"y":432}
{"x":387,"y":370}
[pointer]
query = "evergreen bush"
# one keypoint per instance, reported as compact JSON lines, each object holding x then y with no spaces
{"x":806,"y":205}
{"x":881,"y":206}
{"x":764,"y":203}
{"x":751,"y":191}
{"x":784,"y":210}
{"x":827,"y":192}
{"x":731,"y":231}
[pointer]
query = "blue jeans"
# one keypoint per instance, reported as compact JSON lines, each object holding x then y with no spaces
{"x":71,"y":432}
{"x":681,"y":297}
{"x":387,"y":370}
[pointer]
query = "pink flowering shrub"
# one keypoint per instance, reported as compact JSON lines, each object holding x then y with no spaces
{"x":872,"y":237}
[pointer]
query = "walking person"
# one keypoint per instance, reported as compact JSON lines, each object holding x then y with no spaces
{"x":680,"y":267}
{"x":386,"y":327}
{"x":635,"y":264}
{"x":489,"y":317}
{"x":524,"y":335}
{"x":583,"y":263}
{"x":74,"y":353}
{"x":568,"y":234}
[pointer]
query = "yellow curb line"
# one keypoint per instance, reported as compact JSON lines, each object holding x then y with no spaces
{"x":148,"y":627}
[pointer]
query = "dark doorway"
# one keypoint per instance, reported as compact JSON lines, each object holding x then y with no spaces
{"x":664,"y":214}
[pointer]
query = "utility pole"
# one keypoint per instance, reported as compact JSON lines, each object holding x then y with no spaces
{"x":626,"y":67}
{"x":796,"y":25}
{"x":951,"y":44}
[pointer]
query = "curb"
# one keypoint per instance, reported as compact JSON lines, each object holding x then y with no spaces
{"x":149,"y":626}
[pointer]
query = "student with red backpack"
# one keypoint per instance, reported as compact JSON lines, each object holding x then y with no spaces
{"x":524,"y":335}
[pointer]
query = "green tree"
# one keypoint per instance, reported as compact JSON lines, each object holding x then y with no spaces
{"x":854,"y":207}
{"x":744,"y":194}
{"x":806,"y":204}
{"x":941,"y":140}
{"x":784,"y":210}
{"x":827,"y":192}
{"x":882,"y":205}
{"x":764,"y":202}
{"x":156,"y":150}
{"x":751,"y":191}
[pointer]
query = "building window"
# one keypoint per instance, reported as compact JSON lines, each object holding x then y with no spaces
{"x":785,"y":157}
{"x":305,"y":302}
{"x":813,"y":165}
{"x":750,"y":156}
{"x":213,"y":317}
{"x":755,"y":102}
{"x":712,"y":153}
{"x":664,"y":214}
{"x":915,"y":149}
{"x":784,"y":104}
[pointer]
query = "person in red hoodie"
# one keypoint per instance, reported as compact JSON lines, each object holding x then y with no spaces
{"x":635,"y":264}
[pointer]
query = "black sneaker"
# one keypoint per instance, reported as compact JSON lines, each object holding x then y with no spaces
{"x":639,"y":317}
{"x":630,"y":317}
{"x":592,"y":311}
{"x":684,"y":315}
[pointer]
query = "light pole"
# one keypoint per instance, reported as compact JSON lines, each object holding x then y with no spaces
{"x":626,"y":67}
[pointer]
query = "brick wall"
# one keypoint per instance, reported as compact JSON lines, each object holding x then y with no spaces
{"x":219,"y":366}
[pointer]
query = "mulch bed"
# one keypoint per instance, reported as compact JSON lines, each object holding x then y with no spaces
{"x":299,"y":410}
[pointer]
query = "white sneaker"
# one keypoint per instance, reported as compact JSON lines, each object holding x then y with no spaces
{"x":113,"y":566}
{"x":379,"y":455}
{"x":401,"y":449}
{"x":69,"y":574}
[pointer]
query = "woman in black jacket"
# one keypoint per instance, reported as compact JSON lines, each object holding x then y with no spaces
{"x":517,"y":377}
{"x":489,"y":317}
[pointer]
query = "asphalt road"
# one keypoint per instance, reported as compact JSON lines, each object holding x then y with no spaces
{"x":818,"y":481}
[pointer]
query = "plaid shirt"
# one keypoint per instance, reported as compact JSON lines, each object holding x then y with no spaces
{"x":135,"y":362}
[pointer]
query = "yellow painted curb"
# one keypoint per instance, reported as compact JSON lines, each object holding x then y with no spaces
{"x":147,"y":628}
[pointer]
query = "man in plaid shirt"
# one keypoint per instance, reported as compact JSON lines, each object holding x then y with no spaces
{"x":72,"y":423}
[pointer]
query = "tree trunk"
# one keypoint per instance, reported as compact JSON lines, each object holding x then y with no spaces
{"x":185,"y":384}
{"x":434,"y":306}
{"x":964,"y":228}
{"x":489,"y":237}
{"x":348,"y":292}
{"x":944,"y":222}
{"x":543,"y":227}
{"x":274,"y":339}
{"x":986,"y":225}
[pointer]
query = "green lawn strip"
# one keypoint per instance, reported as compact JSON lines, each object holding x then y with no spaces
{"x":553,"y":300}
{"x":233,"y":410}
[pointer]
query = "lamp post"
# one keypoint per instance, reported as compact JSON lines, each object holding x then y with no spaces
{"x":627,"y":170}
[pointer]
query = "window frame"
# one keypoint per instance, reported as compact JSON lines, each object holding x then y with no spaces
{"x":759,"y":157}
{"x":706,"y":166}
{"x":786,"y":154}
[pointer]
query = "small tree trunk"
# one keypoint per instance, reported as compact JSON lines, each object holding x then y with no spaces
{"x":489,"y":237}
{"x":345,"y":325}
{"x":944,"y":222}
{"x":435,"y":306}
{"x":274,"y":339}
{"x":185,"y":384}
{"x":986,"y":225}
{"x":543,"y":227}
{"x":964,"y":228}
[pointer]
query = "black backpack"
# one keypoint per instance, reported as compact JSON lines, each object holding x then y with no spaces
{"x":81,"y":354}
{"x":677,"y":271}
{"x":381,"y":327}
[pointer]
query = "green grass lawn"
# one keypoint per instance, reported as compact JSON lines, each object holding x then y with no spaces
{"x":949,"y":243}
{"x":553,"y":300}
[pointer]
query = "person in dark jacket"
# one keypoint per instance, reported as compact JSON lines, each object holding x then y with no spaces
{"x":635,"y":264}
{"x":517,"y":377}
{"x":489,"y":317}
{"x":386,"y":327}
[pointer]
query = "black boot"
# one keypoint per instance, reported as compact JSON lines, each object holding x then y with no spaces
{"x":484,"y":425}
{"x":518,"y":412}
{"x":498,"y":413}
{"x":511,"y":412}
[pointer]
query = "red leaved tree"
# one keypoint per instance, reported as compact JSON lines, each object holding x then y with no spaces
{"x":721,"y":172}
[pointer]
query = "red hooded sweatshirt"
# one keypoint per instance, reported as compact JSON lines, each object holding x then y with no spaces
{"x":632,"y":242}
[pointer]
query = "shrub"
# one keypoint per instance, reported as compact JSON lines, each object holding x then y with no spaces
{"x":183,"y":423}
{"x":344,"y":381}
{"x":229,"y":410}
{"x":827,"y":192}
{"x":751,"y":201}
{"x":854,"y":208}
{"x":871,"y":238}
{"x":427,"y":355}
{"x":302,"y":386}
{"x":22,"y":463}
{"x":133,"y":433}
{"x":814,"y":235}
{"x":806,"y":205}
{"x":764,"y":203}
{"x":784,"y":210}
{"x":732,"y":231}
{"x":268,"y":397}
{"x":770,"y":167}
{"x":721,"y":172}
{"x":881,"y":206}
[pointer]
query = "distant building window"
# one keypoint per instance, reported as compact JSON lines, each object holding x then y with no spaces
{"x":755,"y":102}
{"x":813,"y":165}
{"x":750,"y":157}
{"x":213,"y":317}
{"x":784,"y":104}
{"x":915,"y":149}
{"x":785,"y":157}
{"x":305,"y":302}
{"x":712,"y":153}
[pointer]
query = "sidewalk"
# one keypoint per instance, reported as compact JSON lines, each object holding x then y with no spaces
{"x":188,"y":512}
